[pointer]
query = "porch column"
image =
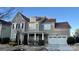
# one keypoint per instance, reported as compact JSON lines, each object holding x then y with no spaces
{"x":21,"y":38}
{"x":34,"y":38}
{"x":28,"y":38}
{"x":42,"y":36}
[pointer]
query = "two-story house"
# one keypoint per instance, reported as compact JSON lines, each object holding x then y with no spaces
{"x":5,"y":29}
{"x":36,"y":29}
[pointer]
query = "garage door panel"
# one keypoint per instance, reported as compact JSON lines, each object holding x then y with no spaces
{"x":55,"y":40}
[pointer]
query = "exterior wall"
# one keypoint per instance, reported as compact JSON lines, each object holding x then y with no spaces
{"x":41,"y":26}
{"x":14,"y":30}
{"x":26,"y":26}
{"x":0,"y":29}
{"x":36,"y":25}
{"x":6,"y":31}
{"x":58,"y":37}
{"x":13,"y":34}
{"x":18,"y":19}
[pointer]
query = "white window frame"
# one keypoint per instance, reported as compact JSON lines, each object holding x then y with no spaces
{"x":22,"y":25}
{"x":47,"y":26}
{"x":14,"y":24}
{"x":32,"y":26}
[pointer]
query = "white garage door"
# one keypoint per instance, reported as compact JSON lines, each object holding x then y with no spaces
{"x":57,"y":40}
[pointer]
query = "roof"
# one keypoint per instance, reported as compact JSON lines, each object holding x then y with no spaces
{"x":50,"y":20}
{"x":41,"y":19}
{"x":46,"y":20}
{"x":62,"y":25}
{"x":26,"y":18}
{"x":5,"y":22}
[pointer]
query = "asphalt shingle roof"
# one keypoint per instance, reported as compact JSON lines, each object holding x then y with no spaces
{"x":27,"y":19}
{"x":62,"y":25}
{"x":5,"y":22}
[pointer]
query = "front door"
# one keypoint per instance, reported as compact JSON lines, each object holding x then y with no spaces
{"x":25,"y":40}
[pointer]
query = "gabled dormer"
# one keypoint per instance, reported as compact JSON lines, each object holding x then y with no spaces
{"x":33,"y":19}
{"x":33,"y":24}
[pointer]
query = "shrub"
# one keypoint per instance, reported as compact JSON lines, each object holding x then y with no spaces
{"x":25,"y":42}
{"x":5,"y":40}
{"x":77,"y":39}
{"x":41,"y":42}
{"x":31,"y":42}
{"x":0,"y":40}
{"x":71,"y":41}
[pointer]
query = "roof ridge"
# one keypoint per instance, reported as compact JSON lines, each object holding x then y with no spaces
{"x":5,"y":22}
{"x":26,"y":18}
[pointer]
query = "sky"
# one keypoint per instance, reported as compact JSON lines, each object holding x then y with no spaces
{"x":61,"y":14}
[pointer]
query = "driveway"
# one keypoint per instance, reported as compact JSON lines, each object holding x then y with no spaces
{"x":75,"y":47}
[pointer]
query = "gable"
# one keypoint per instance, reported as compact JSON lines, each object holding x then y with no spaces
{"x":19,"y":18}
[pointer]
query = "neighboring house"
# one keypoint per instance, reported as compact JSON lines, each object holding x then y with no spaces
{"x":5,"y":29}
{"x":38,"y":29}
{"x":76,"y":34}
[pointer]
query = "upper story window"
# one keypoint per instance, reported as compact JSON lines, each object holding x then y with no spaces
{"x":22,"y":25}
{"x":47,"y":26}
{"x":32,"y":26}
{"x":13,"y":26}
{"x":17,"y":26}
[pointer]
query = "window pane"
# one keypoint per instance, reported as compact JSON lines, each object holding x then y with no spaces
{"x":17,"y":26}
{"x":47,"y":26}
{"x":32,"y":26}
{"x":22,"y":25}
{"x":13,"y":26}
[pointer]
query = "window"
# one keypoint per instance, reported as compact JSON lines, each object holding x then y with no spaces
{"x":59,"y":37}
{"x":22,"y":25}
{"x":54,"y":37}
{"x":33,"y":19}
{"x":32,"y":26}
{"x":47,"y":26}
{"x":13,"y":26}
{"x":17,"y":26}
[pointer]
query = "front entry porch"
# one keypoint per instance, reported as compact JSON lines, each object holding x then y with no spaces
{"x":36,"y":39}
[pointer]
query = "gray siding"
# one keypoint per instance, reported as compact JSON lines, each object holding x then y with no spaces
{"x":41,"y":27}
{"x":6,"y":31}
{"x":0,"y":29}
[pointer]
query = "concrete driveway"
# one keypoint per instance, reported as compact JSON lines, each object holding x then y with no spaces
{"x":75,"y":47}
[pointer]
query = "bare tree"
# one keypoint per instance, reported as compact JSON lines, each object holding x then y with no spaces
{"x":6,"y":12}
